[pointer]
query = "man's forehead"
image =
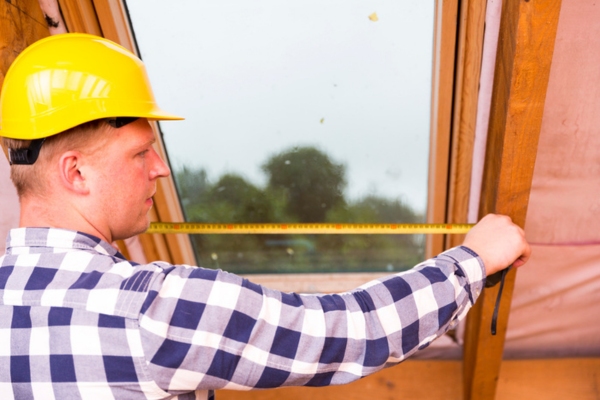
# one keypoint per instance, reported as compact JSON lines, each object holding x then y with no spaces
{"x":136,"y":134}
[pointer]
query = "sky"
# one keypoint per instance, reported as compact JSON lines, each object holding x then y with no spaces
{"x":255,"y":78}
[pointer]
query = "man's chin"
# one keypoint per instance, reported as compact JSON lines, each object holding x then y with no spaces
{"x":134,"y":230}
{"x":143,"y":228}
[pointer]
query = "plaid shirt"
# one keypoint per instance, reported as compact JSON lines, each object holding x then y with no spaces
{"x":77,"y":320}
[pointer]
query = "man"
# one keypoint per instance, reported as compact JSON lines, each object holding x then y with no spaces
{"x":77,"y":320}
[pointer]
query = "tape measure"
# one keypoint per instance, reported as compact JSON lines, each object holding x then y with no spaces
{"x":298,"y":228}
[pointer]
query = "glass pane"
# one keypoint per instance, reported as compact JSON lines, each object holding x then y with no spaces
{"x":307,"y":111}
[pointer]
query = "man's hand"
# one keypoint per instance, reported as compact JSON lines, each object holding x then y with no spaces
{"x":498,"y":242}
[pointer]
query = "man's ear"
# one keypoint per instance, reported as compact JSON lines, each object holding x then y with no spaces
{"x":71,"y":172}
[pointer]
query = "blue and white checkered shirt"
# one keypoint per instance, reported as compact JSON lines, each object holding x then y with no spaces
{"x":77,"y":320}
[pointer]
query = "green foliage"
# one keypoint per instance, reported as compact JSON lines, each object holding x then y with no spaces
{"x":376,"y":210}
{"x":244,"y":202}
{"x":304,"y":185}
{"x":192,"y":184}
{"x":312,"y":183}
{"x":375,"y":252}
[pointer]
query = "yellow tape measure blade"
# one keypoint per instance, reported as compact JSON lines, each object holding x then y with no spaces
{"x":297,"y":228}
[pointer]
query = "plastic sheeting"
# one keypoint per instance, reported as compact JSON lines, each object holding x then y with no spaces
{"x":556,"y":304}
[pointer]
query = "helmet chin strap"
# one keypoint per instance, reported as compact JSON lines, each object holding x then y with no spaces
{"x":26,"y":156}
{"x":497,"y":306}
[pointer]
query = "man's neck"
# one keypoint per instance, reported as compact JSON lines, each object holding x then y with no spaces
{"x":37,"y":212}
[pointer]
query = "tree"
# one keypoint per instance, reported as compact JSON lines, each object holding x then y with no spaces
{"x":312,"y":182}
{"x":365,"y":252}
{"x":244,"y":201}
{"x":192,"y":185}
{"x":376,"y":210}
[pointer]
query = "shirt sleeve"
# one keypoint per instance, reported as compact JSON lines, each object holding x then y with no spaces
{"x":207,"y":329}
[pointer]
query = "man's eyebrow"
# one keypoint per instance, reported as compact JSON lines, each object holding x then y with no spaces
{"x":147,"y":143}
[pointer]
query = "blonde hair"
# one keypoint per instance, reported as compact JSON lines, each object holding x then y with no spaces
{"x":32,"y":179}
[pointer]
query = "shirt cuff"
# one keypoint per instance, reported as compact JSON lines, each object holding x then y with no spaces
{"x":472,"y":265}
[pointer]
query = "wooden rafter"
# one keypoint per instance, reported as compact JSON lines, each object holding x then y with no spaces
{"x":21,"y":24}
{"x":80,"y":16}
{"x":114,"y":22}
{"x":525,"y":49}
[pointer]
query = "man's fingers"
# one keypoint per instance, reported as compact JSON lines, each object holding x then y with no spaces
{"x":499,"y":243}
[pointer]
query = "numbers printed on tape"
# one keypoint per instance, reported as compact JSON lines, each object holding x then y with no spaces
{"x":298,"y":228}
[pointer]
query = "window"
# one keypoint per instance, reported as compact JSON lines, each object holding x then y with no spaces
{"x":306,"y":112}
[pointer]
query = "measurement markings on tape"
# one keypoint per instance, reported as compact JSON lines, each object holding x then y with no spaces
{"x":298,"y":228}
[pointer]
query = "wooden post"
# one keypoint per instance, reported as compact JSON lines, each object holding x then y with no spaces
{"x":525,"y":48}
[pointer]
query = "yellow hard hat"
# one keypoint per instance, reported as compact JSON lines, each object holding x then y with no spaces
{"x":65,"y":80}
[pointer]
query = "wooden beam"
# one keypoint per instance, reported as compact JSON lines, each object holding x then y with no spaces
{"x":405,"y":381}
{"x":548,"y":379}
{"x":114,"y":22}
{"x":80,"y":16}
{"x":21,"y":23}
{"x":525,"y":48}
{"x":444,"y":48}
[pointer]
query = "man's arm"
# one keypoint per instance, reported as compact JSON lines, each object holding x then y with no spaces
{"x":206,"y":329}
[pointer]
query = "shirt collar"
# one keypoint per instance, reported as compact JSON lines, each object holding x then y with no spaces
{"x":54,"y":238}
